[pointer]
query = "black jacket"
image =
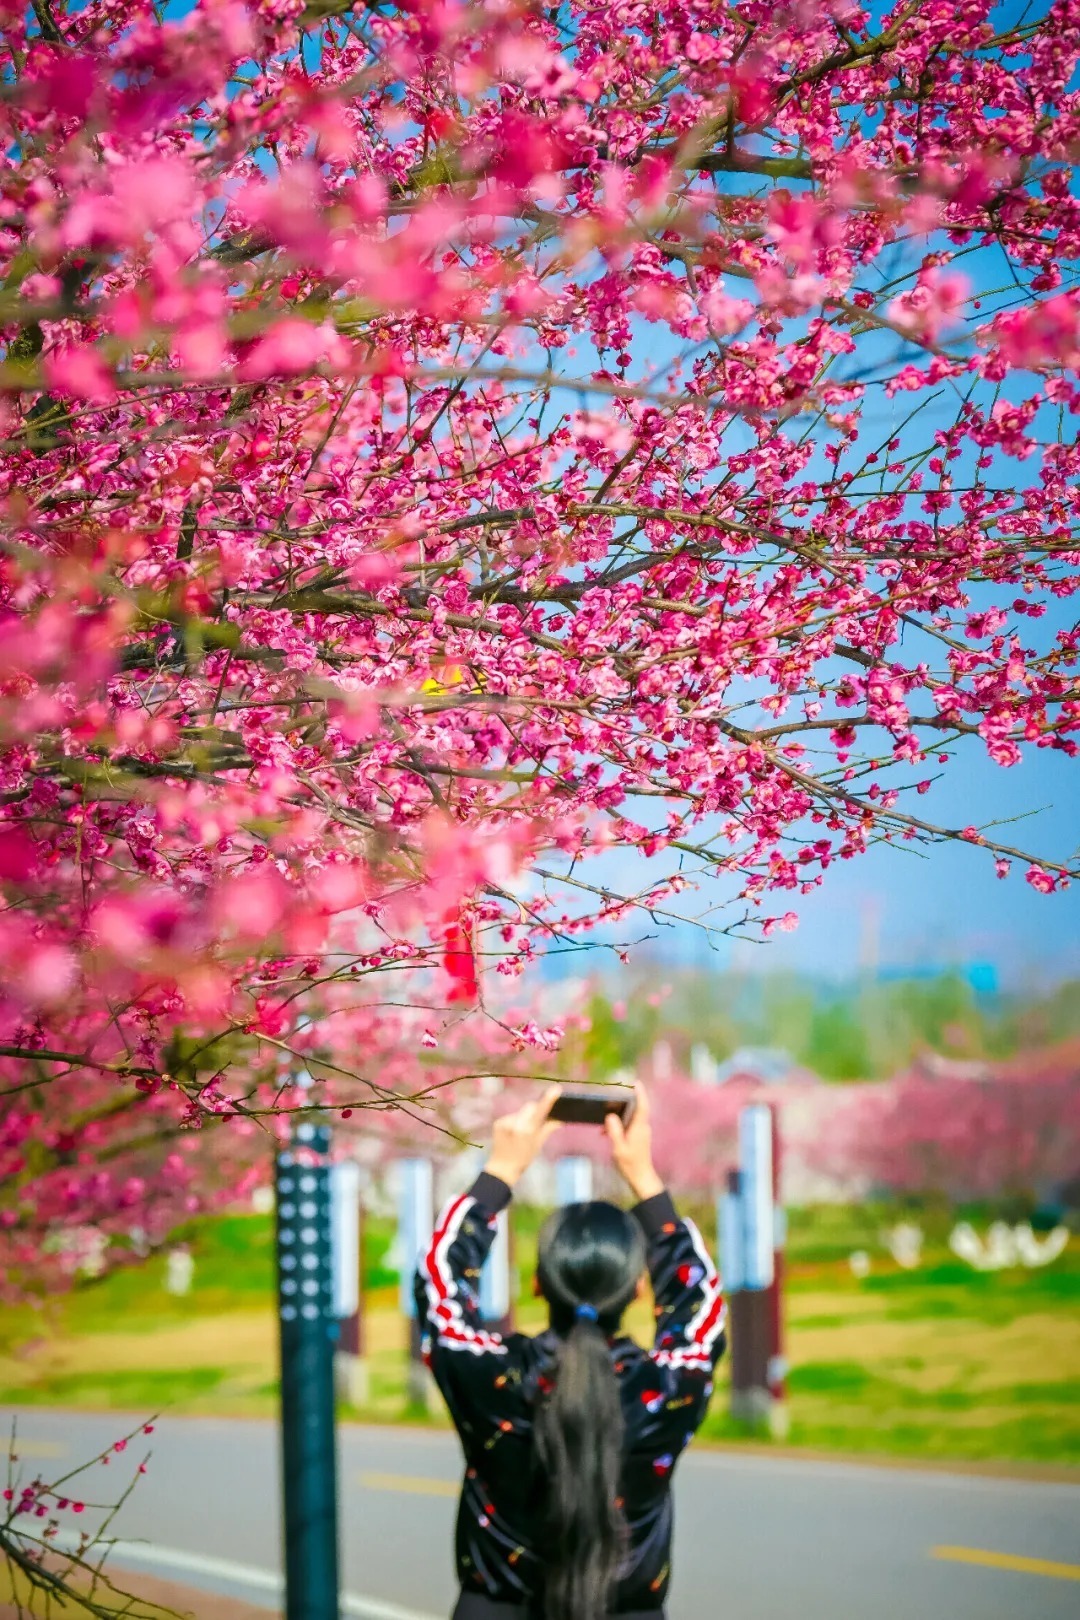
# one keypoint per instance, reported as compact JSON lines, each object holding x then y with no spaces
{"x":492,"y":1385}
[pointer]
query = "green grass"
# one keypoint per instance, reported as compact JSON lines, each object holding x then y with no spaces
{"x":831,"y":1377}
{"x":127,"y":1388}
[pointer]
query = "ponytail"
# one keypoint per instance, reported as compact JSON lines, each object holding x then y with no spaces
{"x":590,"y":1258}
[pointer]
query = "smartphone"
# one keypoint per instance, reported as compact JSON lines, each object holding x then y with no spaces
{"x":591,"y":1107}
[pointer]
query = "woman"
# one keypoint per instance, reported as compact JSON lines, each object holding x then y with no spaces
{"x":570,"y":1438}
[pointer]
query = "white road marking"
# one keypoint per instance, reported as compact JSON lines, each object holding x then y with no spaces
{"x":252,"y":1580}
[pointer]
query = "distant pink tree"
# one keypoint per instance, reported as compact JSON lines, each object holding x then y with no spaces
{"x":1008,"y":1133}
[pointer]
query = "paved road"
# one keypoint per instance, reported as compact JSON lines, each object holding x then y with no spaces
{"x":757,"y":1539}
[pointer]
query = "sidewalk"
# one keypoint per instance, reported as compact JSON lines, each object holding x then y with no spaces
{"x":188,"y":1601}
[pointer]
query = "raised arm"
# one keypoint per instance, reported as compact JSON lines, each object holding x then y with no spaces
{"x":448,"y":1276}
{"x":690,"y":1311}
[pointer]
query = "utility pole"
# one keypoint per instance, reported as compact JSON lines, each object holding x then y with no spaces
{"x":308,"y":1335}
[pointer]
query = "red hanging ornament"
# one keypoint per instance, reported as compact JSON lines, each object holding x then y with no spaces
{"x":459,"y":959}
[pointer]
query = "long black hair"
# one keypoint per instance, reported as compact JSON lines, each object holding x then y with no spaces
{"x":590,"y":1255}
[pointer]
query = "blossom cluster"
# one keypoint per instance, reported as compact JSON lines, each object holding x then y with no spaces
{"x":52,"y":1539}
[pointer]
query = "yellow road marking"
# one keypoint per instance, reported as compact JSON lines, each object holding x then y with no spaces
{"x":38,"y":1448}
{"x":417,"y":1483}
{"x":1000,"y":1560}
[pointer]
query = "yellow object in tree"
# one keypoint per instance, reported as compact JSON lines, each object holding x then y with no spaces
{"x":453,"y":678}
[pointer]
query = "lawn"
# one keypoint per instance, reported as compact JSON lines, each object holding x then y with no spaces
{"x":943,"y":1362}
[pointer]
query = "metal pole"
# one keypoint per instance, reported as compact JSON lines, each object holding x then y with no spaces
{"x":308,"y":1334}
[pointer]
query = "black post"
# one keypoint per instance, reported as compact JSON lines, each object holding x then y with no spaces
{"x":308,"y":1335}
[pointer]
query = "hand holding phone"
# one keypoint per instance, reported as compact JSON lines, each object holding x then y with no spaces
{"x":592,"y":1106}
{"x":517,"y":1137}
{"x":631,"y":1147}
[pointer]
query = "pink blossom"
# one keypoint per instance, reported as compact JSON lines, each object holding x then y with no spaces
{"x":202,"y":347}
{"x":1046,"y":333}
{"x":289,"y":346}
{"x":64,"y":84}
{"x":935,"y":303}
{"x":17,"y":855}
{"x":254,"y":903}
{"x":47,"y":975}
{"x":152,"y":193}
{"x":80,"y":373}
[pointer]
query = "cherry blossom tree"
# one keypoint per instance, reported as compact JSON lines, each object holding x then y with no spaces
{"x":446,"y":441}
{"x":1013,"y":1132}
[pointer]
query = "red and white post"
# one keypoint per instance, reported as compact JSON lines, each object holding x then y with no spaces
{"x":752,"y":1237}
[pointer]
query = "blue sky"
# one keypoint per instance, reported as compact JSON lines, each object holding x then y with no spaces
{"x":945,"y":906}
{"x":906,"y":910}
